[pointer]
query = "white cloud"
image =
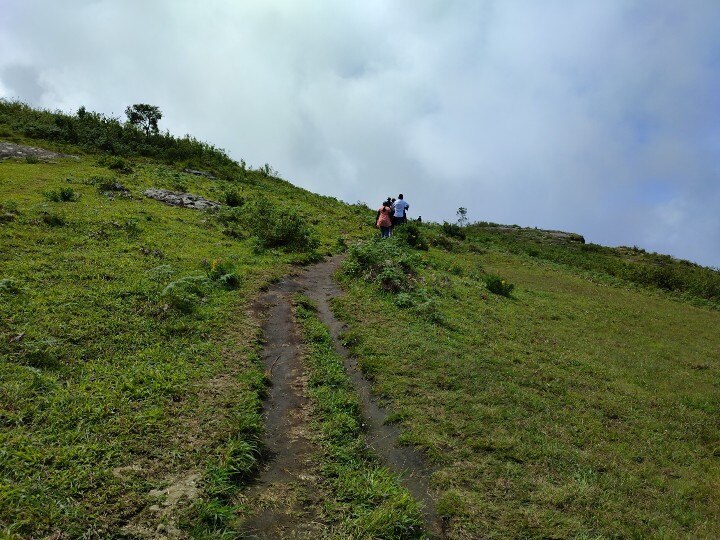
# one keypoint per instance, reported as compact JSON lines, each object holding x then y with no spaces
{"x":555,"y":114}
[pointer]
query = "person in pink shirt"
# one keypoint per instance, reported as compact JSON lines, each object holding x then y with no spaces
{"x":384,"y":219}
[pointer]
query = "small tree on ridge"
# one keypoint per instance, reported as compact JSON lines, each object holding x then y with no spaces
{"x":144,"y":116}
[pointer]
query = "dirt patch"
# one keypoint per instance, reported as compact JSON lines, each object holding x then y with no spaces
{"x":126,"y":472}
{"x":11,"y":150}
{"x":158,"y":521}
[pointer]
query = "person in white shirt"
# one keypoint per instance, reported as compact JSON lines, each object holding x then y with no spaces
{"x":401,"y":207}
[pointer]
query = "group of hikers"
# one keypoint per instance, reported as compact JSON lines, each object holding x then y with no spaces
{"x":392,"y":212}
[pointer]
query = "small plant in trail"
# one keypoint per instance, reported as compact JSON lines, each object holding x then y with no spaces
{"x":374,"y":503}
{"x":497,"y":285}
{"x":62,"y":195}
{"x":32,"y":160}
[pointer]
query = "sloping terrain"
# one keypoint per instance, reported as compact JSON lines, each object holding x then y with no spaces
{"x":571,"y":405}
{"x":553,"y":388}
{"x":128,"y":352}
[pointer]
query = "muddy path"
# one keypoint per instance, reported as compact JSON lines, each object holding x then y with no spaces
{"x":285,"y":482}
{"x":290,"y":467}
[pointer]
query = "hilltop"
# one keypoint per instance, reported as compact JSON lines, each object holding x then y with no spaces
{"x":538,"y":385}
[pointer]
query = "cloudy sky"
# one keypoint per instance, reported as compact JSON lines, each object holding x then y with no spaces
{"x":595,"y":116}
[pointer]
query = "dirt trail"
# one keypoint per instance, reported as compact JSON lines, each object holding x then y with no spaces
{"x":281,"y":513}
{"x":320,"y":287}
{"x":286,"y":481}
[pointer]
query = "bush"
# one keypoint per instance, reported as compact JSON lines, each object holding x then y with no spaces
{"x":62,"y":195}
{"x":185,"y":294}
{"x":132,"y":227}
{"x":10,"y":207}
{"x":411,"y":234}
{"x":115,"y":163}
{"x":222,"y":272}
{"x":95,"y":131}
{"x":497,"y":285}
{"x":32,"y":160}
{"x":9,"y":286}
{"x":54,"y":220}
{"x":274,"y":227}
{"x":404,"y":300}
{"x":384,"y":261}
{"x":453,"y":230}
{"x":233,"y":199}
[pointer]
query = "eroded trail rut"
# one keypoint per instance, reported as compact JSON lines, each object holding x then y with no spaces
{"x":287,"y":479}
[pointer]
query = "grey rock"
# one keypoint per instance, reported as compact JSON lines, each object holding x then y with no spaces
{"x":184,"y":200}
{"x":12,"y":150}
{"x":199,"y":173}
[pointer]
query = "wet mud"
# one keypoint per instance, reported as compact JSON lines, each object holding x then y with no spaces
{"x":278,"y":494}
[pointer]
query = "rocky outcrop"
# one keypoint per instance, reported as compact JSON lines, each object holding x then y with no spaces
{"x":199,"y":173}
{"x":185,"y":200}
{"x":11,"y":150}
{"x":539,"y":234}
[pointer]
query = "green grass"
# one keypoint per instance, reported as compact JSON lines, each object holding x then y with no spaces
{"x":633,"y":265}
{"x":121,"y":346}
{"x":571,"y":409}
{"x":365,"y":499}
{"x":579,"y":400}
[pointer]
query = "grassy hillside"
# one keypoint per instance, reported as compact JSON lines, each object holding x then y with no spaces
{"x":126,"y":360}
{"x":559,"y":389}
{"x":567,"y":404}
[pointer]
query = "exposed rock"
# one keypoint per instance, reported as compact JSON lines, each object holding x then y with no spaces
{"x":114,"y":189}
{"x":11,"y":150}
{"x":539,"y":233}
{"x":186,"y":200}
{"x":199,"y":173}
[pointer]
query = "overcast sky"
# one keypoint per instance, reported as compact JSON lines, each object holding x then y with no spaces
{"x":600,"y":117}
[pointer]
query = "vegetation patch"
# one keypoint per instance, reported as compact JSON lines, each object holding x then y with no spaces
{"x":125,"y":362}
{"x":580,"y":410}
{"x":62,"y":195}
{"x":367,"y":499}
{"x":386,"y":262}
{"x":276,"y":227}
{"x":497,"y":285}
